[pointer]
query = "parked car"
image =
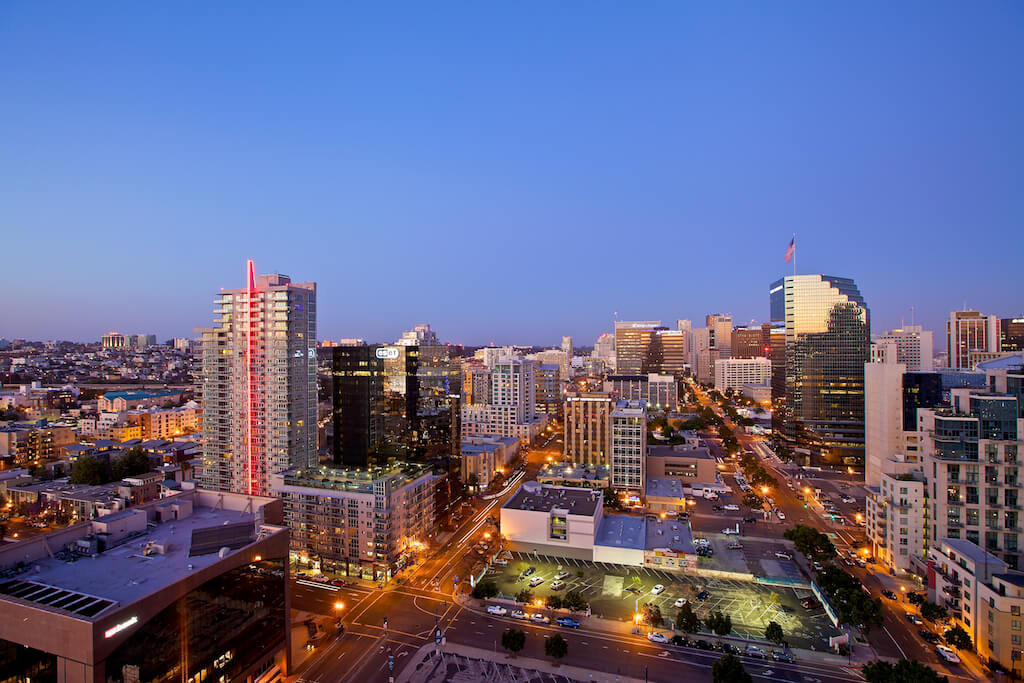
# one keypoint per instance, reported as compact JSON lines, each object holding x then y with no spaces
{"x":702,"y":645}
{"x":780,"y":514}
{"x":779,"y":656}
{"x":561,"y":575}
{"x":340,"y":583}
{"x":754,"y":651}
{"x":799,"y":497}
{"x":735,"y":545}
{"x":657,"y":637}
{"x":518,"y":614}
{"x":728,"y":648}
{"x":889,"y":594}
{"x":947,"y":653}
{"x":497,"y":610}
{"x":679,"y":602}
{"x":658,"y":589}
{"x":732,"y":508}
{"x":750,"y":520}
{"x":810,"y":603}
{"x":717,"y":508}
{"x":681,"y":641}
{"x":783,"y":555}
{"x":818,"y":566}
{"x":928,"y":636}
{"x":557,"y":585}
{"x":536,"y":581}
{"x":683,"y":515}
{"x":728,"y":531}
{"x":914,"y":619}
{"x":860,"y":563}
{"x":540,"y":619}
{"x":847,"y":561}
{"x":703,"y":595}
{"x":568,"y":622}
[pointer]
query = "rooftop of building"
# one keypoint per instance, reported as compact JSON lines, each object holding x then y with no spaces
{"x":138,"y":395}
{"x":1015,"y":578}
{"x":630,"y":408}
{"x":673,"y":534}
{"x":972,"y":552}
{"x":664,"y":487}
{"x":89,"y":585}
{"x":621,"y":531}
{"x":534,"y":496}
{"x":568,"y":470}
{"x":682,"y":451}
{"x":354,"y":480}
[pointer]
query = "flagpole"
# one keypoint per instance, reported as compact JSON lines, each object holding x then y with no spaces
{"x":794,"y":254}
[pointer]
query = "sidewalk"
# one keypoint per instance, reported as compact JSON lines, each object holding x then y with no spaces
{"x":422,"y":666}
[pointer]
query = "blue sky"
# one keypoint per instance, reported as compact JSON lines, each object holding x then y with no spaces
{"x":506,"y":172}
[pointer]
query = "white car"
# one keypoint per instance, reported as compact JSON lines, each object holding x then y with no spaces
{"x":657,"y":637}
{"x":561,"y":575}
{"x":658,"y":590}
{"x":679,"y":602}
{"x":540,"y":619}
{"x":783,"y":556}
{"x":497,"y":610}
{"x":557,"y":585}
{"x":729,"y":530}
{"x":536,"y":581}
{"x":732,"y":508}
{"x":518,"y":614}
{"x":947,"y":653}
{"x":780,"y":514}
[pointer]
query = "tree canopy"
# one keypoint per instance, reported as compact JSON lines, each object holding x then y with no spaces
{"x":811,"y":542}
{"x":729,"y":669}
{"x":687,"y":620}
{"x":903,"y":671}
{"x":555,"y":646}
{"x":855,"y":607}
{"x":513,"y":640}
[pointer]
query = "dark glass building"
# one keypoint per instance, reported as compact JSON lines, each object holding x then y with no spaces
{"x":394,"y":402}
{"x":828,"y":340}
{"x":920,"y":390}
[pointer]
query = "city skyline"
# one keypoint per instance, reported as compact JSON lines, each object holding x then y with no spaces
{"x":442,"y":160}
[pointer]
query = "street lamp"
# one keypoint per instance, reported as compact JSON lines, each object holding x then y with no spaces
{"x":764,"y":489}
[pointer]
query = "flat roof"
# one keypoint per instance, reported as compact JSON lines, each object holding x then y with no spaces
{"x":673,"y":534}
{"x":122,"y":574}
{"x":971,"y":551}
{"x":543,"y":498}
{"x":621,"y":531}
{"x":683,"y":451}
{"x":563,"y":470}
{"x":664,"y":487}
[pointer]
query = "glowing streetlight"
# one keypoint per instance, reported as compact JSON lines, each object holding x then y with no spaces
{"x":663,"y":515}
{"x":487,"y":535}
{"x":764,"y":489}
{"x":339,"y":605}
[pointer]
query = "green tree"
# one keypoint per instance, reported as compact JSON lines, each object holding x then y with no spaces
{"x":811,"y":542}
{"x":554,"y":602}
{"x":574,"y":601}
{"x":729,"y":669}
{"x":752,"y":500}
{"x":903,"y":671}
{"x":472,"y":481}
{"x":774,"y":633}
{"x":556,"y":647}
{"x":513,"y":640}
{"x":854,"y":605}
{"x":91,"y":471}
{"x":915,"y":598}
{"x":687,"y":620}
{"x":133,"y":462}
{"x":958,"y":638}
{"x":485,"y":589}
{"x":651,"y":615}
{"x":720,"y":624}
{"x":524,"y":596}
{"x":611,"y":499}
{"x":933,"y":612}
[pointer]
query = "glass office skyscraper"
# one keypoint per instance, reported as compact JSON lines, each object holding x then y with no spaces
{"x":828,"y":340}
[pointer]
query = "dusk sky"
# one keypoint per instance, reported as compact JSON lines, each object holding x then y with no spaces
{"x":506,"y":174}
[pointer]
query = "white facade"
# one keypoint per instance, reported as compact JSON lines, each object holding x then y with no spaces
{"x":553,"y":519}
{"x":883,"y":417}
{"x":629,"y":445}
{"x":733,"y":373}
{"x":895,"y":512}
{"x":512,"y":407}
{"x":259,"y":384}
{"x":914,"y":347}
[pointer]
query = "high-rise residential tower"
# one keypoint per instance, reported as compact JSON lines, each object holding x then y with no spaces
{"x":827,"y":343}
{"x":913,"y":347}
{"x":259,"y":384}
{"x":719,"y":333}
{"x":968,"y":333}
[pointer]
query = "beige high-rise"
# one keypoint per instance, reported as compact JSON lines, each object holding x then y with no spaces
{"x":588,"y":431}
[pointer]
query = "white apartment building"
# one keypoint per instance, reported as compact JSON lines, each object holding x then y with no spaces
{"x":913,"y":347}
{"x":896,"y":517}
{"x":734,"y":373}
{"x":629,"y":444}
{"x":512,"y":406}
{"x":259,"y":384}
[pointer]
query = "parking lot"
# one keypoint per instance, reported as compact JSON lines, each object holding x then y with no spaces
{"x":615,"y":592}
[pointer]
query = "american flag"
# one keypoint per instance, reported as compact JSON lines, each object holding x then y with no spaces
{"x":790,"y":249}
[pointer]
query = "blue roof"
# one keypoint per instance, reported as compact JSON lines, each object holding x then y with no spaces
{"x":136,"y":395}
{"x":621,"y":531}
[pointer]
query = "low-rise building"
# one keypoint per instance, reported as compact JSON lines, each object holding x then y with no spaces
{"x":896,"y":517}
{"x":358,"y":522}
{"x":690,"y":464}
{"x":192,"y":587}
{"x":485,"y":455}
{"x":568,"y":474}
{"x":734,"y":373}
{"x":118,"y":401}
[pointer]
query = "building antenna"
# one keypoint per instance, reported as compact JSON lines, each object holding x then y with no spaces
{"x":911,"y":315}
